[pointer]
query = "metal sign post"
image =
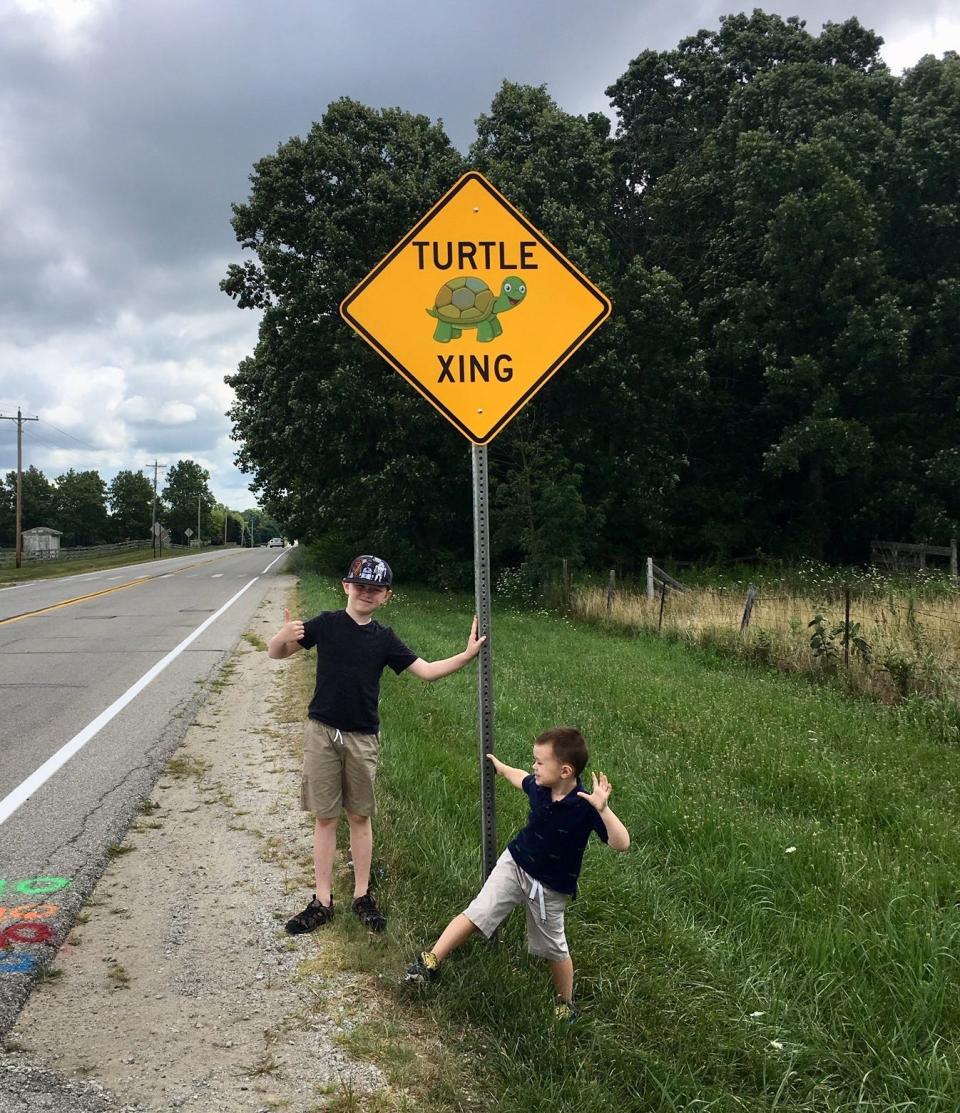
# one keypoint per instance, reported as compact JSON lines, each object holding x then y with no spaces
{"x":481,"y":566}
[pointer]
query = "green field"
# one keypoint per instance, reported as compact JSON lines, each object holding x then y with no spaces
{"x":784,"y":932}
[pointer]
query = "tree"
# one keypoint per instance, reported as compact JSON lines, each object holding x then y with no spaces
{"x":336,"y":442}
{"x":754,"y":162}
{"x":131,"y":505}
{"x":185,"y":489}
{"x":8,"y":497}
{"x":81,"y":508}
{"x":38,"y":499}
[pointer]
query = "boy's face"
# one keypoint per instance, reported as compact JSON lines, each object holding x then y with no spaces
{"x":365,"y":598}
{"x":547,"y":769}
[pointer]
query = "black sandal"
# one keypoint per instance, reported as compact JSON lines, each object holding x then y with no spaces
{"x":313,"y":916}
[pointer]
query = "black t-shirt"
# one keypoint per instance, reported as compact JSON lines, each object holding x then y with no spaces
{"x":350,"y":659}
{"x":550,"y":848}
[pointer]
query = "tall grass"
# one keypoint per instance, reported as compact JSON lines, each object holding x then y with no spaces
{"x":784,"y":933}
{"x":912,"y":635}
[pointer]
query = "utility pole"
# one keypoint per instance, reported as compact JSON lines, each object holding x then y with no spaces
{"x":19,"y":419}
{"x":153,"y":523}
{"x":198,"y":519}
{"x":226,"y":515}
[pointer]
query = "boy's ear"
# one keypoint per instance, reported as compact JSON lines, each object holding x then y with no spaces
{"x":567,"y":770}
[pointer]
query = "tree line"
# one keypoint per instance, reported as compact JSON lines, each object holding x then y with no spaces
{"x":88,"y":511}
{"x":775,"y":218}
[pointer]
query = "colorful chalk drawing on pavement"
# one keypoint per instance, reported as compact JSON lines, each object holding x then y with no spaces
{"x":24,"y":923}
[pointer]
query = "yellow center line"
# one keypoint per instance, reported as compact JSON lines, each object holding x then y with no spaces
{"x":95,"y":594}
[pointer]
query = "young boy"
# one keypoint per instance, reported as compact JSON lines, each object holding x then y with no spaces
{"x":341,"y":737}
{"x":540,"y":867}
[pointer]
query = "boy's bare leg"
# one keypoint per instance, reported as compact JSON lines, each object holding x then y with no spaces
{"x":324,"y":849}
{"x":361,"y":850}
{"x":562,"y":973}
{"x":456,"y":932}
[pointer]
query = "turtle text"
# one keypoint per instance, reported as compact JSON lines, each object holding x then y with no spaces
{"x":462,"y":254}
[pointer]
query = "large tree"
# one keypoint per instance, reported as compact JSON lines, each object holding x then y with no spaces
{"x":756,"y":166}
{"x":131,"y":505}
{"x":605,"y":436}
{"x":38,"y":499}
{"x":187,"y":497}
{"x":81,"y":508}
{"x":336,"y":442}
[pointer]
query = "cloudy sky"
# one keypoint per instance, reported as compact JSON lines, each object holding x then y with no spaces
{"x":127,"y":128}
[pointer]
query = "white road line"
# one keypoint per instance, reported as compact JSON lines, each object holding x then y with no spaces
{"x":10,"y":803}
{"x":116,"y":577}
{"x":272,"y":563}
{"x":216,"y":576}
{"x":166,"y":575}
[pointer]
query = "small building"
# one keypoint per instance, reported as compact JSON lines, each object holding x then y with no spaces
{"x":41,"y":542}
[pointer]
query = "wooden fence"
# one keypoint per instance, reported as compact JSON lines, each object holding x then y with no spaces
{"x":899,"y":556}
{"x":8,"y":557}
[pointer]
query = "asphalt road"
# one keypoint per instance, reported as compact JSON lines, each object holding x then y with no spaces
{"x":96,"y":689}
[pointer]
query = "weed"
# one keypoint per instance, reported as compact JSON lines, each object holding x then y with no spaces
{"x":118,"y":975}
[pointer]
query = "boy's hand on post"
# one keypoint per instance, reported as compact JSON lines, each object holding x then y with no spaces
{"x":473,"y":642}
{"x":601,"y":792}
{"x":495,"y":762}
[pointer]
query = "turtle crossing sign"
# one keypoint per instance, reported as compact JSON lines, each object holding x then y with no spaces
{"x":475,"y":308}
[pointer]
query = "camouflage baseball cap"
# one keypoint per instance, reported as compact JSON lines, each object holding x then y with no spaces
{"x":370,"y":570}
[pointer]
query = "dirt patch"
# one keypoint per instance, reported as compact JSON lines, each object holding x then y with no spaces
{"x":178,"y":988}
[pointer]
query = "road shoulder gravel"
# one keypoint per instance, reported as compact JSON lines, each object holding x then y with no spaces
{"x":177,"y":987}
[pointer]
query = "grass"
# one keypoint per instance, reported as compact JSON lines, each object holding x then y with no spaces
{"x":783,"y":933}
{"x":912,"y":634}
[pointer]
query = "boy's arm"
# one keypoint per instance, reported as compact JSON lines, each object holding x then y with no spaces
{"x":286,"y":641}
{"x":515,"y":776}
{"x":618,"y":837}
{"x":434,"y":670}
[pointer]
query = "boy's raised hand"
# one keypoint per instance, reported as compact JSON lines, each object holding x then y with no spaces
{"x":292,"y":629}
{"x":601,"y":791}
{"x":473,"y":642}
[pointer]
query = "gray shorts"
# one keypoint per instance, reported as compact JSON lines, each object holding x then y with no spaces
{"x":506,"y":887}
{"x":339,"y":771}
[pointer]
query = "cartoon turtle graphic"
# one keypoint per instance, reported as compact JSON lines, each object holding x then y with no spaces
{"x":469,"y":303}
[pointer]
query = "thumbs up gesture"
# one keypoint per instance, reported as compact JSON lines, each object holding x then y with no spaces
{"x":292,"y":629}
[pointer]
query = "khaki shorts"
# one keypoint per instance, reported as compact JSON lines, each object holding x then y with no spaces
{"x":339,"y":770}
{"x":506,"y":887}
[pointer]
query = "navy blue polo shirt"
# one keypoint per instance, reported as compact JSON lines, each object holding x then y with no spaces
{"x":550,"y":848}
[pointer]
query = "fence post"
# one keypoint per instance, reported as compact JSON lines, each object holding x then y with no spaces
{"x":663,"y":599}
{"x":610,"y":587}
{"x":748,"y":607}
{"x":846,"y":627}
{"x":953,"y":557}
{"x":650,"y":578}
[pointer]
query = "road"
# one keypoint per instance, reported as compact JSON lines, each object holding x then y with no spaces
{"x":100,"y":675}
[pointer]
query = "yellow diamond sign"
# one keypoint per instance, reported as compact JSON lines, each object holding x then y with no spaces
{"x":475,"y":308}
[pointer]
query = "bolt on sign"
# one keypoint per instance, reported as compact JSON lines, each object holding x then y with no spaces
{"x":475,"y":308}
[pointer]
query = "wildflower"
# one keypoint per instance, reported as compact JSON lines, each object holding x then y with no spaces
{"x":790,"y":850}
{"x":776,"y":1045}
{"x":753,"y":1016}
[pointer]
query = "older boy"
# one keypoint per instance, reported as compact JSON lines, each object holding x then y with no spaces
{"x":540,"y":867}
{"x":341,"y":737}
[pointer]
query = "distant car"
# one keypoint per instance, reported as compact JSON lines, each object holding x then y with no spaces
{"x":275,"y":543}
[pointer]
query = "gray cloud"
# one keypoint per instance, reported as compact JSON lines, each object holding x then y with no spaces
{"x":127,"y":129}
